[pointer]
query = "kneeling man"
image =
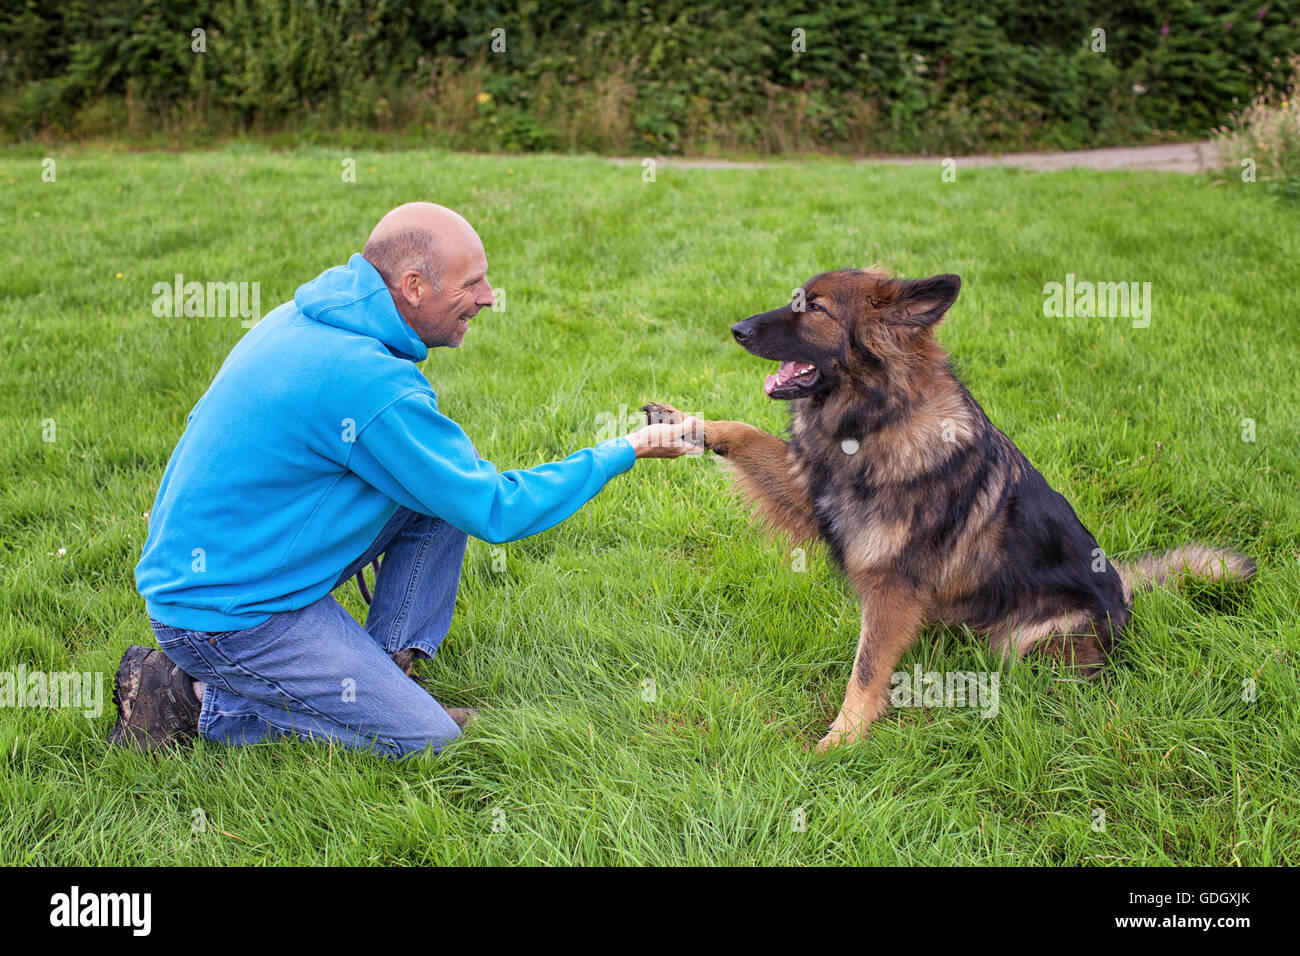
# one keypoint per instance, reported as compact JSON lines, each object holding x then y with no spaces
{"x":318,"y":448}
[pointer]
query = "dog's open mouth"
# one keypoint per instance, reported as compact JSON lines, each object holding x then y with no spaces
{"x":791,"y":379}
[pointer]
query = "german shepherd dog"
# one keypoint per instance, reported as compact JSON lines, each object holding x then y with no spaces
{"x":932,"y":514}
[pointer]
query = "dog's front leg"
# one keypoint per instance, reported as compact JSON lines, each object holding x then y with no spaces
{"x":892,"y":616}
{"x":761,"y":466}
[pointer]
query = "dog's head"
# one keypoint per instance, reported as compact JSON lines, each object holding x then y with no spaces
{"x":850,"y":324}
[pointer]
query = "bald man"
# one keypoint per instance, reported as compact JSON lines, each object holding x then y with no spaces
{"x":318,"y":448}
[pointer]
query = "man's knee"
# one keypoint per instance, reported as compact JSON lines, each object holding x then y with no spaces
{"x":428,"y":736}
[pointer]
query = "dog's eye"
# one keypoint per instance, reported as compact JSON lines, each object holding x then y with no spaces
{"x":815,"y":307}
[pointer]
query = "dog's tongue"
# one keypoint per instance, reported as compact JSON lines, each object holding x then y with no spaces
{"x":785,"y":373}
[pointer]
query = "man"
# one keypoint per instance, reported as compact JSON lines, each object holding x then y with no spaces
{"x":319,"y":447}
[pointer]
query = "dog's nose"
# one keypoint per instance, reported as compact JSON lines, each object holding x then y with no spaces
{"x":742,"y":331}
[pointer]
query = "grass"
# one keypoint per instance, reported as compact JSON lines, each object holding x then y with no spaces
{"x":620,"y":291}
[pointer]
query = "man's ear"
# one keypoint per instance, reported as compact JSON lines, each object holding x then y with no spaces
{"x":923,"y":302}
{"x":409,"y":285}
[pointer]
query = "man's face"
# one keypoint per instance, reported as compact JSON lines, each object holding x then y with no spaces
{"x":441,"y":316}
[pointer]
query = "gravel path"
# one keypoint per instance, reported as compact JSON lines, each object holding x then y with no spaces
{"x":1173,"y":157}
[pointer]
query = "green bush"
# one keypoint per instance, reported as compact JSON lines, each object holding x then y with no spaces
{"x":931,"y":75}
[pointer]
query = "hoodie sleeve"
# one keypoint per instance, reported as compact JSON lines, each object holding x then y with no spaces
{"x":422,"y":459}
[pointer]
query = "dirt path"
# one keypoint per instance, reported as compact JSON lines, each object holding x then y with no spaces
{"x":1173,"y":157}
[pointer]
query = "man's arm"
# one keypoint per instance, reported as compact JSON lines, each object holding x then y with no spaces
{"x":425,"y":461}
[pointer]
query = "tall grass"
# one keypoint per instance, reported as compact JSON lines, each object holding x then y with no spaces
{"x":1263,"y":139}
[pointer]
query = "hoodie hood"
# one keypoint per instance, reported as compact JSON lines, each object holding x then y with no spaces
{"x":353,"y":297}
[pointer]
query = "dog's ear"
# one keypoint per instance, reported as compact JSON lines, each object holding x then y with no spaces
{"x":923,"y":302}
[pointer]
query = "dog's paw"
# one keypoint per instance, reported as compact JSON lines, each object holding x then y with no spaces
{"x":836,"y":739}
{"x":657,"y":413}
{"x":827,"y":743}
{"x":841,"y":732}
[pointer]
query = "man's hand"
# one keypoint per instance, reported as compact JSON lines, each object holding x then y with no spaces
{"x":668,"y":440}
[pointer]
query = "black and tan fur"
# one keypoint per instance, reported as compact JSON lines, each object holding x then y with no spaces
{"x":936,"y":517}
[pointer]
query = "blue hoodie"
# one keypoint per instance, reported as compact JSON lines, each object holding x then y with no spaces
{"x":317,"y":427}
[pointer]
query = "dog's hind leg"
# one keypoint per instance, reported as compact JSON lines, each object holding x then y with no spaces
{"x":1087,"y":644}
{"x":760,"y":464}
{"x":1076,"y":639}
{"x":891,"y":620}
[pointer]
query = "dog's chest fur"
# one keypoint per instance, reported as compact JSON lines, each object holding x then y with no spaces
{"x":890,"y":488}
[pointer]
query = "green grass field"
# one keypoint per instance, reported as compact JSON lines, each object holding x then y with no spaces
{"x":617,"y":292}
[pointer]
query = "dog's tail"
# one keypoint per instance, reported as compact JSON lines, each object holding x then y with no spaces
{"x":1191,"y":560}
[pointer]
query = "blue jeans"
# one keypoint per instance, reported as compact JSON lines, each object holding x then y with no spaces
{"x":316,"y":673}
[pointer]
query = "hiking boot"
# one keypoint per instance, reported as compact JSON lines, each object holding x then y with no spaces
{"x":405,"y":660}
{"x":156,"y":703}
{"x":461,"y":715}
